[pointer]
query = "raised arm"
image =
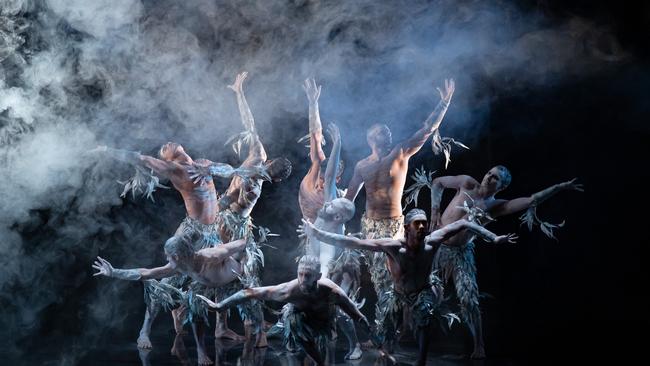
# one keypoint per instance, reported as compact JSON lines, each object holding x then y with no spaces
{"x":355,"y":184}
{"x":256,"y":152}
{"x":307,"y":229}
{"x":506,"y":207}
{"x":160,"y":167}
{"x":316,"y":154}
{"x":455,"y":227}
{"x":267,"y":293}
{"x":415,"y":142}
{"x":104,"y":268}
{"x":332,"y":170}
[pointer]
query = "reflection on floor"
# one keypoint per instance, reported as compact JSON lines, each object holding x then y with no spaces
{"x":228,"y":353}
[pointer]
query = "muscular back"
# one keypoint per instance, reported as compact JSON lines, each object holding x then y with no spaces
{"x":200,"y":199}
{"x":384,"y":180}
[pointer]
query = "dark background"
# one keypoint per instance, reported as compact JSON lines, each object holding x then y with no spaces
{"x":584,"y":294}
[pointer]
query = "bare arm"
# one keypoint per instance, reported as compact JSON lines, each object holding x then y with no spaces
{"x":347,"y":305}
{"x":432,"y":123}
{"x":226,"y":250}
{"x":136,"y":274}
{"x":160,"y":167}
{"x":316,"y":154}
{"x":455,"y":227}
{"x":266,"y":293}
{"x":355,"y":184}
{"x":256,"y":152}
{"x":333,"y":163}
{"x":507,"y":207}
{"x":307,"y":229}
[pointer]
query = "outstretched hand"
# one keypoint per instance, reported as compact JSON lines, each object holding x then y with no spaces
{"x":333,"y":131}
{"x":305,"y":230}
{"x":200,"y":174}
{"x":312,"y":90}
{"x":572,"y":185}
{"x":450,"y":87}
{"x":237,"y":86}
{"x":210,"y":303}
{"x":103,"y":267}
{"x":509,"y":238}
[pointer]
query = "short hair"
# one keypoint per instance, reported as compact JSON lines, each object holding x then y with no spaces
{"x":371,"y":130}
{"x":180,"y":246}
{"x":412,"y":214}
{"x":169,"y":145}
{"x":506,"y":177}
{"x":310,"y":263}
{"x":279,"y":168}
{"x":348,"y":208}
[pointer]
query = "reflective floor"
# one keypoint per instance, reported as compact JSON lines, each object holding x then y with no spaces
{"x":229,"y":353}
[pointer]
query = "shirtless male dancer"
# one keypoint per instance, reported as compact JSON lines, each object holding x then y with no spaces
{"x":199,"y":197}
{"x":309,"y":318}
{"x":211,"y":267}
{"x":384,"y":174}
{"x":235,"y":206}
{"x":455,"y":258}
{"x":409,"y":261}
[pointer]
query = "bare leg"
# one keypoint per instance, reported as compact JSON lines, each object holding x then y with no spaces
{"x":222,"y":331}
{"x":474,"y":324}
{"x":178,"y":315}
{"x":423,"y":335}
{"x":347,"y":327}
{"x":149,"y":315}
{"x":199,"y":338}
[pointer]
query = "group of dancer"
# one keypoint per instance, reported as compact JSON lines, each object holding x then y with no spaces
{"x":214,"y":260}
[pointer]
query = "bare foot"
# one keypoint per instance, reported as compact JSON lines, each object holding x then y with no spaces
{"x":479,"y":353}
{"x":385,"y":355}
{"x":144,"y":342}
{"x":228,"y":334}
{"x":203,"y":358}
{"x":355,"y":353}
{"x":368,"y":345}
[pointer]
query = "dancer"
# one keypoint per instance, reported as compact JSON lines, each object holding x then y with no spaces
{"x":235,"y":206}
{"x":409,"y":262}
{"x":193,"y":180}
{"x":209,"y":268}
{"x":384,"y":174}
{"x":309,"y":318}
{"x":476,"y":202}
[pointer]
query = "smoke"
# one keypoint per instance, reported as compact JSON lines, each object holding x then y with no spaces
{"x":134,"y":74}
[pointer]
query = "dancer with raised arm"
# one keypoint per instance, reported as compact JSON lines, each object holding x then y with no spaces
{"x":383,"y":173}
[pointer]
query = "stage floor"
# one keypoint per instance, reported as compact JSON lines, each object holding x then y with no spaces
{"x":230,"y":353}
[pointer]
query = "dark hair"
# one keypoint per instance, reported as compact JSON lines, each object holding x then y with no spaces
{"x":180,"y":246}
{"x":410,"y":216}
{"x":310,"y":262}
{"x":506,"y":177}
{"x":279,"y":168}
